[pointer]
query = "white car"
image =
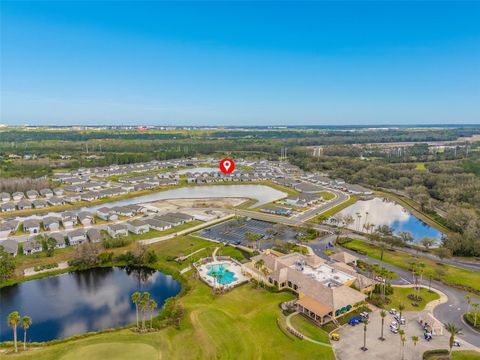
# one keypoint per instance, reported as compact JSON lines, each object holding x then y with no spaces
{"x":394,"y":329}
{"x":393,"y":311}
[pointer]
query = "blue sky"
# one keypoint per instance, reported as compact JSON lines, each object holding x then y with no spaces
{"x":240,"y":63}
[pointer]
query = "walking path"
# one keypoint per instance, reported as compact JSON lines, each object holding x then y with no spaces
{"x":289,"y":324}
{"x":214,"y":254}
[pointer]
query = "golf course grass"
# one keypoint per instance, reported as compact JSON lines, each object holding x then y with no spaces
{"x":241,"y":324}
{"x":448,"y":274}
{"x":238,"y":325}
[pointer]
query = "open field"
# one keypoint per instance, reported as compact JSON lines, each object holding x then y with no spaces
{"x":238,"y":325}
{"x":400,"y":296}
{"x":327,"y":195}
{"x":448,"y":274}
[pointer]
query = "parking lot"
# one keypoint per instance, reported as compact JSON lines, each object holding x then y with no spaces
{"x":351,"y":340}
{"x":233,"y":232}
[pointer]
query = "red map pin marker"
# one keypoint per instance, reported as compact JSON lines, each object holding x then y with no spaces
{"x":227,"y":165}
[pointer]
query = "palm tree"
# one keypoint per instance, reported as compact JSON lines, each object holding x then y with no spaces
{"x":26,"y":322}
{"x":402,"y":341}
{"x":415,"y":341}
{"x":401,"y":307}
{"x":220,"y":277}
{"x":142,"y":304}
{"x":136,"y":299}
{"x":152,"y":305}
{"x":259,"y":264}
{"x":454,"y":331}
{"x":365,"y":323}
{"x":475,"y":306}
{"x":383,"y":313}
{"x":468,"y":299}
{"x":214,"y":275}
{"x":13,"y":320}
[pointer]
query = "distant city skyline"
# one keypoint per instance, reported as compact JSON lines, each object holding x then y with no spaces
{"x":239,"y":63}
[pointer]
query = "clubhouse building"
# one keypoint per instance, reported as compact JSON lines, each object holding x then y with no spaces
{"x":325,"y":290}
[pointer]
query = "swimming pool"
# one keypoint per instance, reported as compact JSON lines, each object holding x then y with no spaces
{"x":223,"y":275}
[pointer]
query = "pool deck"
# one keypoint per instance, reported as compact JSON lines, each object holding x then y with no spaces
{"x":233,"y":267}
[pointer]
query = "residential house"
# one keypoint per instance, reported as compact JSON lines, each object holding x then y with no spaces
{"x":31,"y":226}
{"x":77,"y":237}
{"x":46,"y":193}
{"x":31,"y":247}
{"x":7,"y":207}
{"x":94,"y":235}
{"x":51,"y":223}
{"x":4,"y":197}
{"x":55,"y":201}
{"x":345,"y":258}
{"x":184,"y":217}
{"x":302,"y":200}
{"x":39,"y":204}
{"x":59,"y":238}
{"x":158,"y":224}
{"x":24,"y":204}
{"x":277,"y":210}
{"x":115,"y":230}
{"x":10,"y":246}
{"x":72,"y":198}
{"x":106,"y":214}
{"x":17,"y":196}
{"x":123,"y":211}
{"x":32,"y":194}
{"x":58,"y":191}
{"x":69,"y":219}
{"x":7,"y":228}
{"x":86,"y":218}
{"x":138,"y":227}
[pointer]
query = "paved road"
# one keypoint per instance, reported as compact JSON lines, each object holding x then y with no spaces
{"x":340,"y":197}
{"x":450,"y":312}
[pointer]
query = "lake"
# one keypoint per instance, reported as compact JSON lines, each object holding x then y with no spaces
{"x":75,"y":303}
{"x":385,"y":212}
{"x":262,"y":193}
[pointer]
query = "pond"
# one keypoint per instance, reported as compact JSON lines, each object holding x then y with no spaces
{"x":78,"y":302}
{"x":262,"y":193}
{"x":380,"y":211}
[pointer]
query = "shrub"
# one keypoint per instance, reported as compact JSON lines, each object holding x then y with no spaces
{"x":45,"y":267}
{"x":434,"y":354}
{"x":115,"y":243}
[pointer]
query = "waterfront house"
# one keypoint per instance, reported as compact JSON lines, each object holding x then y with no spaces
{"x":94,"y":235}
{"x":55,"y":201}
{"x":7,"y":207}
{"x":77,"y":237}
{"x":69,"y":219}
{"x":59,"y":238}
{"x":39,"y":204}
{"x":24,"y":205}
{"x":31,"y":247}
{"x":86,"y":218}
{"x":106,"y":214}
{"x":10,"y":247}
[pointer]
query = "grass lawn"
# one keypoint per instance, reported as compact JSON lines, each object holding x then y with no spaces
{"x":330,"y":212}
{"x":326,"y":195}
{"x":308,"y":329}
{"x":399,"y":296}
{"x":466,"y":355}
{"x":238,"y":325}
{"x":448,"y":274}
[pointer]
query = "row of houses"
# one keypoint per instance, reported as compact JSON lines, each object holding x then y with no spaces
{"x":30,"y":194}
{"x":144,"y":225}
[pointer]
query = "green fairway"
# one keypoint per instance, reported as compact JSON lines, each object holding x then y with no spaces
{"x":450,"y":275}
{"x":238,"y":325}
{"x":400,"y":296}
{"x":241,"y":324}
{"x":114,"y":350}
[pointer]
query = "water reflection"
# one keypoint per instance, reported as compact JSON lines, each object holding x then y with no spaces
{"x":75,"y":303}
{"x":380,"y":211}
{"x":262,"y":193}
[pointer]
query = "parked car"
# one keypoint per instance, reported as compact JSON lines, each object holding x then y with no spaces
{"x":393,"y":311}
{"x":364,"y":315}
{"x":394,"y":329}
{"x":400,"y":320}
{"x":355,"y":320}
